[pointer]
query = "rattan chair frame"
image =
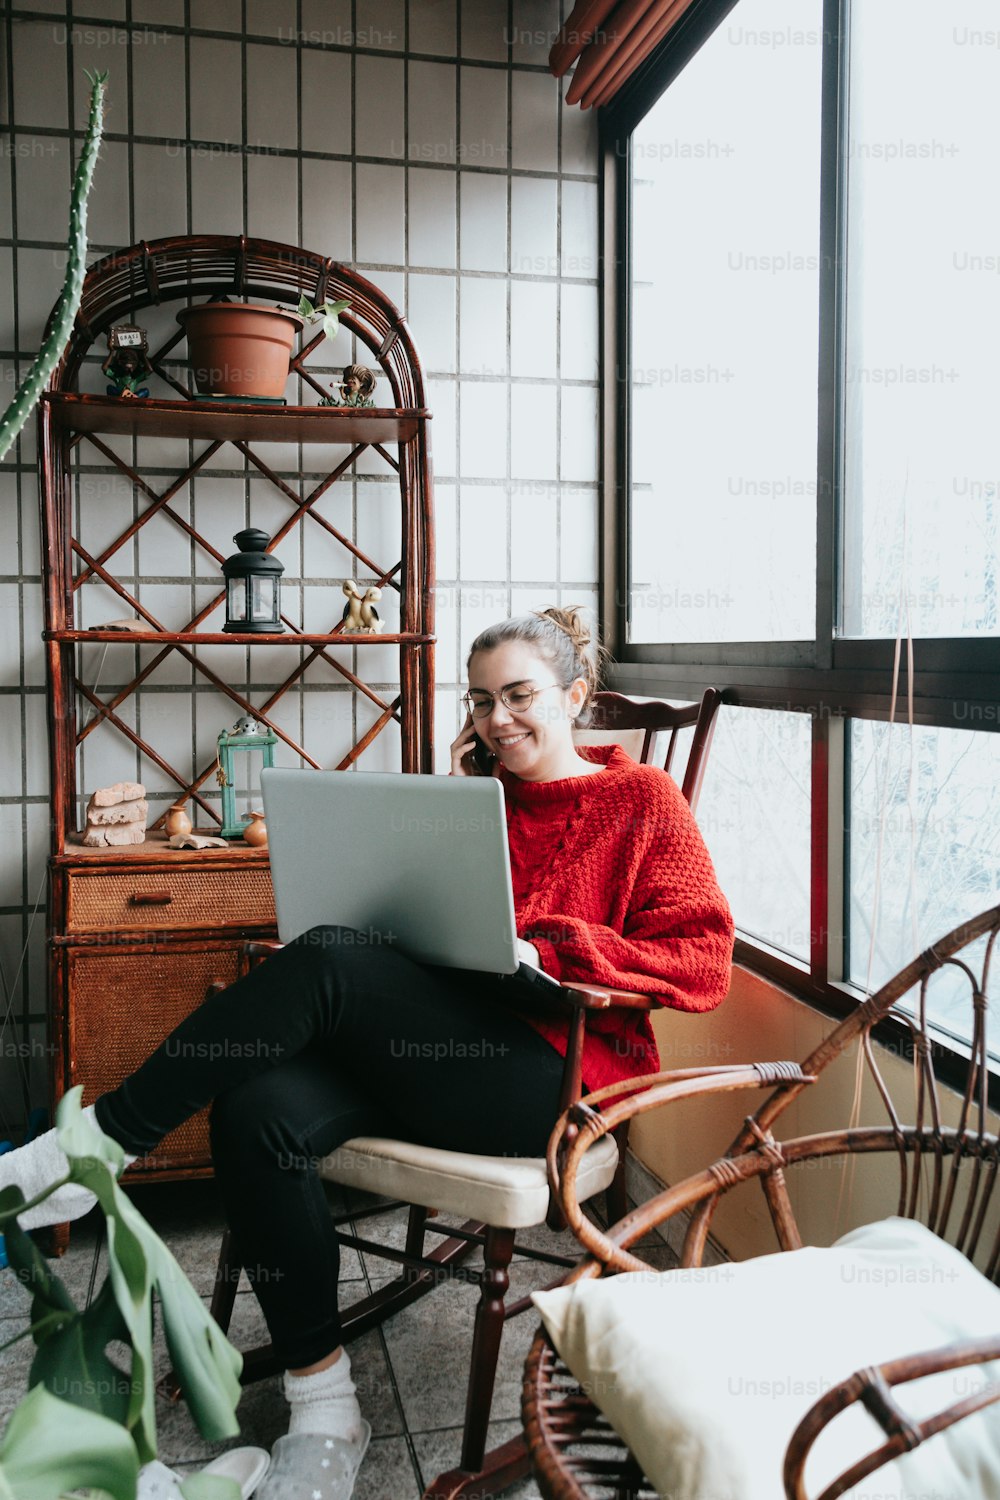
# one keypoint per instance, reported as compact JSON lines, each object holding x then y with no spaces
{"x":561,"y":1423}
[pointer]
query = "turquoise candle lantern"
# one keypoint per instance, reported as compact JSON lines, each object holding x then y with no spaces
{"x":246,"y":738}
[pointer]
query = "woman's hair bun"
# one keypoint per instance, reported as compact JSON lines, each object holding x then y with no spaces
{"x":569,"y":619}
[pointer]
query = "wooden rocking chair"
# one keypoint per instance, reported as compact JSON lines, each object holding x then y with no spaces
{"x":953,"y":1168}
{"x":492,"y":1197}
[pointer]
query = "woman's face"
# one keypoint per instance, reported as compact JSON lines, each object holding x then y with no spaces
{"x":534,"y":743}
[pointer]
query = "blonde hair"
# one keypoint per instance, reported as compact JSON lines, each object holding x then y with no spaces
{"x":561,"y":638}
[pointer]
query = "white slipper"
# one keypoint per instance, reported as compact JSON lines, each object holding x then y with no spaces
{"x":246,"y":1465}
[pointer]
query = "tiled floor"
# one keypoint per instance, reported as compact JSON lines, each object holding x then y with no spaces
{"x":410,"y":1373}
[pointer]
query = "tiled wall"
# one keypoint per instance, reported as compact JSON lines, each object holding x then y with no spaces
{"x":425,"y":143}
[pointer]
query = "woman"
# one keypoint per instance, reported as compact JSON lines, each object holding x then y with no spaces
{"x":612,"y":885}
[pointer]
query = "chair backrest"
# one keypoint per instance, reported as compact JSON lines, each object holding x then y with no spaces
{"x":648,"y":729}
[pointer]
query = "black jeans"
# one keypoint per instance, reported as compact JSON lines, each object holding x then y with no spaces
{"x":331,"y":1038}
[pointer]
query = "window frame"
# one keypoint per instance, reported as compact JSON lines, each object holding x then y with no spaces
{"x":829,"y":678}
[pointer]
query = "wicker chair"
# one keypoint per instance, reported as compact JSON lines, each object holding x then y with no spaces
{"x":946,"y":1177}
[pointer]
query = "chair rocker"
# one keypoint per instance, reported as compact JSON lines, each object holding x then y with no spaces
{"x":492,"y":1197}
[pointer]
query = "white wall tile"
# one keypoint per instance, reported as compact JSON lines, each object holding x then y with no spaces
{"x":326,"y":102}
{"x":432,"y":131}
{"x":483,"y":221}
{"x":482,"y":531}
{"x":216,"y":90}
{"x":534,"y":122}
{"x":272,"y":111}
{"x":161,"y":191}
{"x":108,"y":206}
{"x":431,"y":217}
{"x":39,"y":53}
{"x":483,"y":326}
{"x":579,"y":326}
{"x":534,"y":28}
{"x":327,"y":23}
{"x":158,"y":12}
{"x":381,"y":23}
{"x":533,"y":432}
{"x":326,"y":208}
{"x":483,"y":134}
{"x":381,"y":215}
{"x":484,"y":30}
{"x":158,"y":85}
{"x":533,"y":328}
{"x":216,"y":191}
{"x":579,"y":230}
{"x":443,"y":399}
{"x":431,"y":314}
{"x":5,"y":194}
{"x":578,"y":534}
{"x":271,"y":18}
{"x":432,"y":27}
{"x":379,"y":85}
{"x":272,"y":199}
{"x":579,"y":434}
{"x":446,"y":530}
{"x":534,"y":226}
{"x":39,"y":280}
{"x":483,"y":416}
{"x":44,"y":173}
{"x":217,"y":15}
{"x":533,"y":531}
{"x":579,"y":138}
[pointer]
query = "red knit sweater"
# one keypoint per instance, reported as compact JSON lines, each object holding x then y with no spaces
{"x":613,"y":885}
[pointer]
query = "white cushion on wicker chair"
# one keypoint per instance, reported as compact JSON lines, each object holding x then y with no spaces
{"x":706,"y":1374}
{"x":508,"y":1192}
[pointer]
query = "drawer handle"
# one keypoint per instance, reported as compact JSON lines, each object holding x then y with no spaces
{"x":150,"y":898}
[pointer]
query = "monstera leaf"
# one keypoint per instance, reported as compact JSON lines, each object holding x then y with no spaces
{"x":70,"y":1361}
{"x":51,"y":1447}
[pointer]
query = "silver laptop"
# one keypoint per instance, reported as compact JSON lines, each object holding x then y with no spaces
{"x":418,"y":861}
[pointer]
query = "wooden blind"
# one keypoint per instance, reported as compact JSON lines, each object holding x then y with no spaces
{"x":608,"y":39}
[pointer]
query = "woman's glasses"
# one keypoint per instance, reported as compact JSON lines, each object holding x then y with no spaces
{"x":517,"y":698}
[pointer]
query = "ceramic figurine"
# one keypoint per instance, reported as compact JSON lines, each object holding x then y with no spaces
{"x":360,"y":615}
{"x":356,"y":388}
{"x":126,"y":364}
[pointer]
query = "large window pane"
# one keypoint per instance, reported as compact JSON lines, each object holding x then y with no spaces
{"x":725,"y":204}
{"x":754,"y":814}
{"x":934,"y":797}
{"x":922,"y":510}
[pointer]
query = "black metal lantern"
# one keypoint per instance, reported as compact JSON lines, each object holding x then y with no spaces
{"x":253,"y":586}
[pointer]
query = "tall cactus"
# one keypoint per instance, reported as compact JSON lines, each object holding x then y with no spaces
{"x":50,"y":353}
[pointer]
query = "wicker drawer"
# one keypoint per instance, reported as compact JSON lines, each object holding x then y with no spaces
{"x":168,"y":900}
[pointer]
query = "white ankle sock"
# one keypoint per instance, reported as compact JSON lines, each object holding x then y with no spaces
{"x":326,"y":1402}
{"x":41,"y":1162}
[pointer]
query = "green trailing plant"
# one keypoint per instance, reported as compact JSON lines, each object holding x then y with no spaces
{"x":61,"y":326}
{"x":85,"y":1421}
{"x":329,"y":312}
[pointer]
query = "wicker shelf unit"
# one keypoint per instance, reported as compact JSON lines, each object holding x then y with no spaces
{"x":139,"y":935}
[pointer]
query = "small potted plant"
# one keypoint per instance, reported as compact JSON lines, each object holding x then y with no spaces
{"x":239,"y":349}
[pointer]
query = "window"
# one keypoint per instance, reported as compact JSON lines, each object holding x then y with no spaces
{"x":809,"y":460}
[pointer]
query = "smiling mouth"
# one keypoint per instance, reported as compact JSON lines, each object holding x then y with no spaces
{"x":516,"y":739}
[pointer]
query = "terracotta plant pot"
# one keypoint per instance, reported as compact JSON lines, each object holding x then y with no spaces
{"x":177,"y":820}
{"x":237,"y":349}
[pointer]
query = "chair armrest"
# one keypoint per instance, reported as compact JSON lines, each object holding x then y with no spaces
{"x":603,"y":997}
{"x":600,"y":1113}
{"x":873,"y":1387}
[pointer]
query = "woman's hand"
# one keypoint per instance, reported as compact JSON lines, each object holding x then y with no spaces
{"x":528,"y":953}
{"x":462,"y":747}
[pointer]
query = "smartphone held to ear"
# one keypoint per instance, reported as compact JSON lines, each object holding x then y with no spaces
{"x":482,"y":758}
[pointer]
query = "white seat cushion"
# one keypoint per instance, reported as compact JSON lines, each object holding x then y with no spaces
{"x":707,"y":1373}
{"x":508,"y":1192}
